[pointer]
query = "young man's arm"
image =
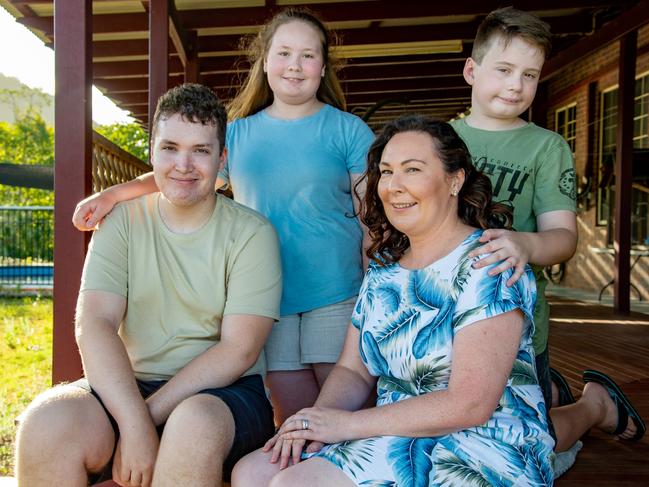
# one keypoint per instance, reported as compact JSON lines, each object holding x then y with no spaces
{"x":108,"y":369}
{"x":242,"y":338}
{"x":555,"y":241}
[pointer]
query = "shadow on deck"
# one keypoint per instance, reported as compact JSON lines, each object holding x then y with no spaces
{"x":584,"y":335}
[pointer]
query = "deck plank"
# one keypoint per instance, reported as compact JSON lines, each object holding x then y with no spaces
{"x":591,"y":336}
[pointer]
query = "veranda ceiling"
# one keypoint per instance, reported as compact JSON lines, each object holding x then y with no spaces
{"x":403,"y":55}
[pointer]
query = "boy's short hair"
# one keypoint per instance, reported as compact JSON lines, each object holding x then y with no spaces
{"x":507,"y":23}
{"x":195,"y":103}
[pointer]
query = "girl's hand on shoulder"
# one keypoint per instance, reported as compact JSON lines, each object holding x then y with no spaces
{"x":91,"y":211}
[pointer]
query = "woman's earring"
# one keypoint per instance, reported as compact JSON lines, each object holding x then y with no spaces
{"x":454,"y":192}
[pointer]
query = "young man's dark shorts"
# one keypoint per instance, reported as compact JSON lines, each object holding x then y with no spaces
{"x":246,"y":398}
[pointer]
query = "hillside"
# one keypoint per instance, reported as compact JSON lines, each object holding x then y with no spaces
{"x":38,"y":98}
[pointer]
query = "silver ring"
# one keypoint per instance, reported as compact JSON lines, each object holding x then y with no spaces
{"x":305,"y":424}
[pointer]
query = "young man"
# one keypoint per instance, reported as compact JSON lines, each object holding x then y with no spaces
{"x":179,"y":292}
{"x":531,"y":168}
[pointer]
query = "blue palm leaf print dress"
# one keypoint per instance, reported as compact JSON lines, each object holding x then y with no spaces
{"x":407,"y":320}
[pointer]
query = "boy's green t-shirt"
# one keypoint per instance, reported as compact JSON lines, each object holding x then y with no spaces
{"x":533,"y":170}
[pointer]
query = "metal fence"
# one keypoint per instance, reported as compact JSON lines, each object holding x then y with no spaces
{"x":26,"y":246}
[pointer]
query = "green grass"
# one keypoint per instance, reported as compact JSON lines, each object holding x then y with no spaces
{"x":25,"y":370}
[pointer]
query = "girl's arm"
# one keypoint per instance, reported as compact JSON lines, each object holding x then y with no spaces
{"x":92,"y":210}
{"x":357,"y":209}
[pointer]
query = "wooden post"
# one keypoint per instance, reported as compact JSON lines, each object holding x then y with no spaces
{"x":624,"y":171}
{"x":72,"y":171}
{"x":192,"y":66}
{"x":158,"y":52}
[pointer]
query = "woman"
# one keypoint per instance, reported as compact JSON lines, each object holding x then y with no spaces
{"x":293,"y":155}
{"x":448,"y":346}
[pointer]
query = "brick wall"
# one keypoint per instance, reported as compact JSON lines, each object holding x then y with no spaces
{"x":593,"y":74}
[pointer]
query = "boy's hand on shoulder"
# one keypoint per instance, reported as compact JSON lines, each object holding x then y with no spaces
{"x":508,"y":248}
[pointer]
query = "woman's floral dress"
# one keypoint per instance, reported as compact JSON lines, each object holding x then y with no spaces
{"x":407,"y":321}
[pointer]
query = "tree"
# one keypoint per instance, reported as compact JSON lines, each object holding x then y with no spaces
{"x":129,"y":136}
{"x":28,"y":141}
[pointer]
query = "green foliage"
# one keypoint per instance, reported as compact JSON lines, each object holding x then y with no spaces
{"x":27,"y":141}
{"x":26,"y":351}
{"x":129,"y":136}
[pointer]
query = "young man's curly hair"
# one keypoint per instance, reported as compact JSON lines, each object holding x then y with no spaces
{"x":194,"y":103}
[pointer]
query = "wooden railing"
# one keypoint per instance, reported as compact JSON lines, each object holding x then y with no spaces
{"x":113,"y":165}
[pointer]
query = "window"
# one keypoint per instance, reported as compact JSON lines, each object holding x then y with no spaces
{"x":607,"y":144}
{"x":641,"y":114}
{"x":565,"y":121}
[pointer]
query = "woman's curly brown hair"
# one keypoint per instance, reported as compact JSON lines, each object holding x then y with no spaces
{"x":475,"y":207}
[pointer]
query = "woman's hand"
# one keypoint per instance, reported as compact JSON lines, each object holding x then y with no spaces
{"x":91,"y":211}
{"x":284,"y":450}
{"x":317,"y":425}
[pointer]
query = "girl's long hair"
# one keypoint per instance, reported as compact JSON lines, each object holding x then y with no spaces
{"x":255,"y":95}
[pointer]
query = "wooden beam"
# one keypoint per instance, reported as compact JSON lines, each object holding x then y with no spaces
{"x":377,"y":10}
{"x":411,"y":84}
{"x":409,"y":96}
{"x":73,"y":177}
{"x":131,"y":85}
{"x":624,"y":171}
{"x":178,"y":34}
{"x":193,"y":64}
{"x":354,"y":72}
{"x":331,"y":12}
{"x":117,"y":69}
{"x":158,"y":51}
{"x":627,"y":22}
{"x":131,"y":47}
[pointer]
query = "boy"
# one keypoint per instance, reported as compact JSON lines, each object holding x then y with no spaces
{"x":531,"y":168}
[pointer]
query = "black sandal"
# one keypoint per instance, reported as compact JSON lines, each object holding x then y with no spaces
{"x":565,"y":394}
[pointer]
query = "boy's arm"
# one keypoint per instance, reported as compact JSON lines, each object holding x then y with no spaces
{"x":555,"y":241}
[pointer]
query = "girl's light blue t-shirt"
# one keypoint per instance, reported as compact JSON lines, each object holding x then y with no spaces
{"x":297,"y":174}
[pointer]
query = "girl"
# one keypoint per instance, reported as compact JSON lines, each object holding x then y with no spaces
{"x":293,"y":155}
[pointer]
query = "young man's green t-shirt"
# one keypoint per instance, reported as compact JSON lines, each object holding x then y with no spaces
{"x":532,"y":169}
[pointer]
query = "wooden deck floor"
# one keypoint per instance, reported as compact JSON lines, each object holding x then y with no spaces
{"x":590,"y":336}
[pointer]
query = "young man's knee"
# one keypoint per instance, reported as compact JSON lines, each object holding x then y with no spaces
{"x":201,"y":412}
{"x":62,"y":415}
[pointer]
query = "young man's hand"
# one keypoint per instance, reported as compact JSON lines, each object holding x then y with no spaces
{"x":135,"y":456}
{"x":510,"y":249}
{"x":91,"y":211}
